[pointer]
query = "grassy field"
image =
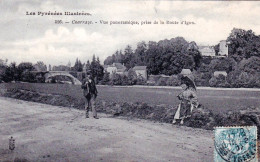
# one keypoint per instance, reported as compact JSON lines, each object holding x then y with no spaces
{"x":216,"y":100}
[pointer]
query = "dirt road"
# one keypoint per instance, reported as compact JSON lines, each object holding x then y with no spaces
{"x":50,"y":133}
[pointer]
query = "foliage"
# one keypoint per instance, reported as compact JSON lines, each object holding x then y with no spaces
{"x":97,"y":70}
{"x":40,"y":66}
{"x":219,"y":81}
{"x":173,"y":81}
{"x":132,"y":76}
{"x":116,"y":79}
{"x":140,"y":80}
{"x":10,"y":73}
{"x":222,"y":64}
{"x":164,"y":57}
{"x":243,"y":44}
{"x":78,"y":66}
{"x":106,"y":79}
{"x":28,"y":76}
{"x":161,"y":82}
{"x":22,"y":68}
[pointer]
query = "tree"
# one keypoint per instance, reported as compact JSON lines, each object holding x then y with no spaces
{"x":10,"y":73}
{"x":165,"y":57}
{"x":140,"y":53}
{"x":132,"y":76}
{"x":24,"y":67}
{"x":116,"y":79}
{"x":97,"y":70}
{"x":222,"y":64}
{"x":78,"y":66}
{"x":246,"y":73}
{"x":129,"y":59}
{"x":243,"y":44}
{"x":40,"y":66}
{"x":106,"y":78}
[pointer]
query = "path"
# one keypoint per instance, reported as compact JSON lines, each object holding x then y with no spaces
{"x":50,"y":133}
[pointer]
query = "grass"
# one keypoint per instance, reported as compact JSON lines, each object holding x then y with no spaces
{"x":216,"y":100}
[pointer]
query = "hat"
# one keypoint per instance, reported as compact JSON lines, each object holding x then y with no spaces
{"x":188,"y":81}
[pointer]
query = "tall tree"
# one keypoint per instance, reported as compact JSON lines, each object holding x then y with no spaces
{"x":78,"y":66}
{"x":97,"y":69}
{"x":243,"y":44}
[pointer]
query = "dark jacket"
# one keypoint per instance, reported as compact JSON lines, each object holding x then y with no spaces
{"x":89,"y":87}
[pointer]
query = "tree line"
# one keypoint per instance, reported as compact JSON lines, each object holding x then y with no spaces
{"x":169,"y":57}
{"x":164,"y":57}
{"x":27,"y":71}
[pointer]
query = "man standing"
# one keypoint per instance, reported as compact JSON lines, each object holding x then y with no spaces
{"x":90,"y":94}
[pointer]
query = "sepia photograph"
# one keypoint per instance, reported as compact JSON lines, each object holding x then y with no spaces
{"x":129,"y":81}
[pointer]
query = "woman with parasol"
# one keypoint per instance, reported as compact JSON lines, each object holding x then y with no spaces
{"x":188,"y":98}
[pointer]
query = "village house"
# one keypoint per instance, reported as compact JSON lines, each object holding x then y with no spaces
{"x":223,"y":48}
{"x":186,"y":72}
{"x":217,"y":73}
{"x":207,"y":51}
{"x":117,"y":68}
{"x":141,"y":71}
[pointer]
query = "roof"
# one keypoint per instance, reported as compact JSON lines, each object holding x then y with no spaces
{"x":139,"y":68}
{"x":217,"y":73}
{"x":186,"y":71}
{"x":121,"y":70}
{"x":118,"y":65}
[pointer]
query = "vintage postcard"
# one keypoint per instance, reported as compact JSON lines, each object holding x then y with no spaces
{"x":124,"y":80}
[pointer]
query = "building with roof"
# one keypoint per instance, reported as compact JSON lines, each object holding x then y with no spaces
{"x":207,"y":51}
{"x":223,"y":48}
{"x":186,"y":72}
{"x":217,"y":73}
{"x":117,"y":68}
{"x":141,"y":71}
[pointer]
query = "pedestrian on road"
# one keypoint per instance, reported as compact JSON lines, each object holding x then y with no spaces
{"x":188,"y":98}
{"x":90,"y":94}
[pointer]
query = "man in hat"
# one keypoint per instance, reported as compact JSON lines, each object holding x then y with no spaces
{"x":188,"y":98}
{"x":90,"y":93}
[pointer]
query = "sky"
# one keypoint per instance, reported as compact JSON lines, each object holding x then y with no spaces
{"x":35,"y":38}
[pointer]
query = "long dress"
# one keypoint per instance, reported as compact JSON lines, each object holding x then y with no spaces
{"x":189,"y":101}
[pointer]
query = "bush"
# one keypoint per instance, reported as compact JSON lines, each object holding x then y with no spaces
{"x":219,"y":81}
{"x":106,"y":79}
{"x":173,"y":81}
{"x":28,"y":76}
{"x":116,"y":79}
{"x":140,"y":81}
{"x":161,"y":82}
{"x":244,"y":79}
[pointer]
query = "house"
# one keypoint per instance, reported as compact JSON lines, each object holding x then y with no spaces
{"x":207,"y":51}
{"x":223,"y":48}
{"x":186,"y":72}
{"x":117,"y":68}
{"x":141,"y":71}
{"x":217,"y":73}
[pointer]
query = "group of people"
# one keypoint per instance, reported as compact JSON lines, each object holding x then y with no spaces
{"x":188,"y":98}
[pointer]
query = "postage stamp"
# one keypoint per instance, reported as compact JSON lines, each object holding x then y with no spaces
{"x":236,"y":144}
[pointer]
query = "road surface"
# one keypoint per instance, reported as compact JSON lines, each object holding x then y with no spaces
{"x":51,"y":133}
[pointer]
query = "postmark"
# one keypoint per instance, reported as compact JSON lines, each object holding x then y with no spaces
{"x":236,"y":144}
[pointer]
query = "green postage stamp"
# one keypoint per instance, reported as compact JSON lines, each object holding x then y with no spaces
{"x":236,"y":144}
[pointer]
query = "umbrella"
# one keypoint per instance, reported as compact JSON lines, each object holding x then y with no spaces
{"x":188,"y":81}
